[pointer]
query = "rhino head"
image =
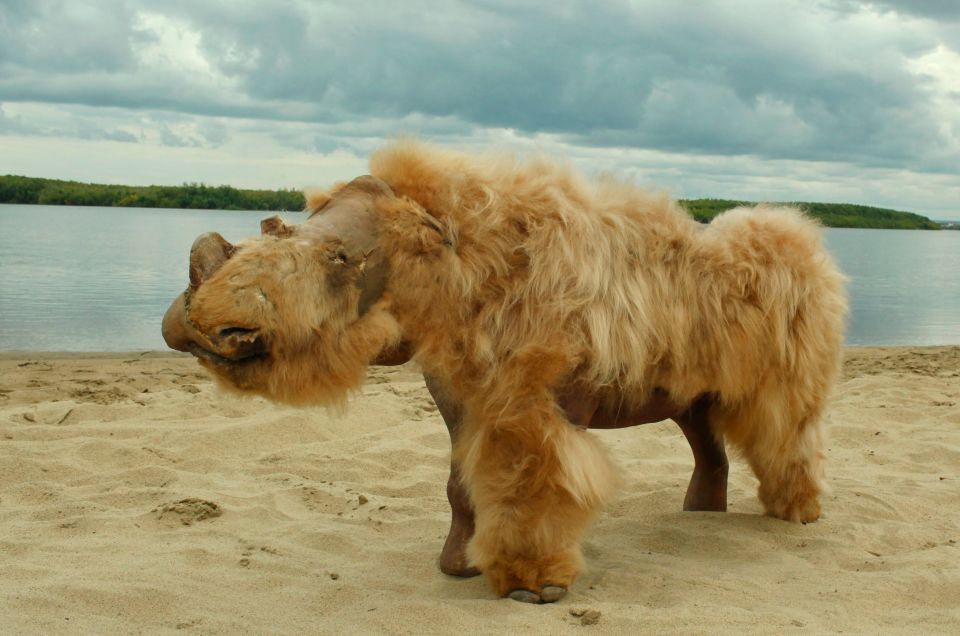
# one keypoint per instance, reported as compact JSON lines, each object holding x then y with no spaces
{"x":296,"y":315}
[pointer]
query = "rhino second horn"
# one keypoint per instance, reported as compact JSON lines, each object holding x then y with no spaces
{"x":274,"y":226}
{"x":208,"y":254}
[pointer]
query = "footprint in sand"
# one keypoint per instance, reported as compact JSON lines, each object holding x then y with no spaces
{"x":187,"y":511}
{"x":107,"y":396}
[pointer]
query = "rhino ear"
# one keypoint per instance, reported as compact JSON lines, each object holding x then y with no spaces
{"x":208,"y":254}
{"x":274,"y":226}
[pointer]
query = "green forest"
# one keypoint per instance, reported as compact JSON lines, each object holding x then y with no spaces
{"x":830,"y":214}
{"x":15,"y":189}
{"x":30,"y":190}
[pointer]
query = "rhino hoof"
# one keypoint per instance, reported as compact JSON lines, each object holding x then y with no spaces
{"x":524,"y":596}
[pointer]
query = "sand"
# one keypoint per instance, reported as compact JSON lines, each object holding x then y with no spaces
{"x":136,"y":498}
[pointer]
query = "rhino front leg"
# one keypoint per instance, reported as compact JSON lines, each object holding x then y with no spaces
{"x":453,"y":557}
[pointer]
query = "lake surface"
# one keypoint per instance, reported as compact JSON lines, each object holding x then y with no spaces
{"x":100,"y":279}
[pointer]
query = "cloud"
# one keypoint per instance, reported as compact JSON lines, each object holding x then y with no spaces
{"x":871,"y":85}
{"x":12,"y":125}
{"x":834,"y":85}
{"x":51,"y":37}
{"x":933,"y":9}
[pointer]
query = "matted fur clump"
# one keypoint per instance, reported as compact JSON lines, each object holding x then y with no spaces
{"x":511,"y":281}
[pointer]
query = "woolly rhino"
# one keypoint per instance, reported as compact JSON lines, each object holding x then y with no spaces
{"x":539,"y":305}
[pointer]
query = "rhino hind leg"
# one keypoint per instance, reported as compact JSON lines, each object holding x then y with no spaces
{"x":707,"y":490}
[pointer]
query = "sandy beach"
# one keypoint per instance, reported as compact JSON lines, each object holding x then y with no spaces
{"x":136,"y":498}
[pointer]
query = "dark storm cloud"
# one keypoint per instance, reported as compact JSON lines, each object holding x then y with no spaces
{"x":702,"y":81}
{"x":799,"y":81}
{"x":52,"y":36}
{"x":936,"y":9}
{"x":79,"y":127}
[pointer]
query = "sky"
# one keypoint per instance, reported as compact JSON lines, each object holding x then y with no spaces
{"x":812,"y":100}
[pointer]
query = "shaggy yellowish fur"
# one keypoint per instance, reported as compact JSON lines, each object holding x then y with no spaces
{"x":513,"y":278}
{"x":527,"y":274}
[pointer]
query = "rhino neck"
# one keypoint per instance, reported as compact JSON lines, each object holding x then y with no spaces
{"x":350,"y":224}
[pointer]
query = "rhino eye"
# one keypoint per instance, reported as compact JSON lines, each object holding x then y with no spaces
{"x":262,"y":297}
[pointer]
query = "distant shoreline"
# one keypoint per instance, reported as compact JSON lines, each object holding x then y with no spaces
{"x":197,"y":196}
{"x":189,"y":196}
{"x":839,"y":215}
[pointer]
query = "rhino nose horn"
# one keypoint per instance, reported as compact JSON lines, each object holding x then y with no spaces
{"x":174,"y":326}
{"x":208,"y":254}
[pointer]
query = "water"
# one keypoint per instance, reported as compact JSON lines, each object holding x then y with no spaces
{"x":100,"y":279}
{"x":904,"y":285}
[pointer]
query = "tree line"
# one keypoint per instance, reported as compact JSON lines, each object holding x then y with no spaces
{"x":830,"y":214}
{"x":31,"y":190}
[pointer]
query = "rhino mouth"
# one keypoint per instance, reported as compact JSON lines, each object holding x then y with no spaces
{"x":216,"y":358}
{"x":231,"y":346}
